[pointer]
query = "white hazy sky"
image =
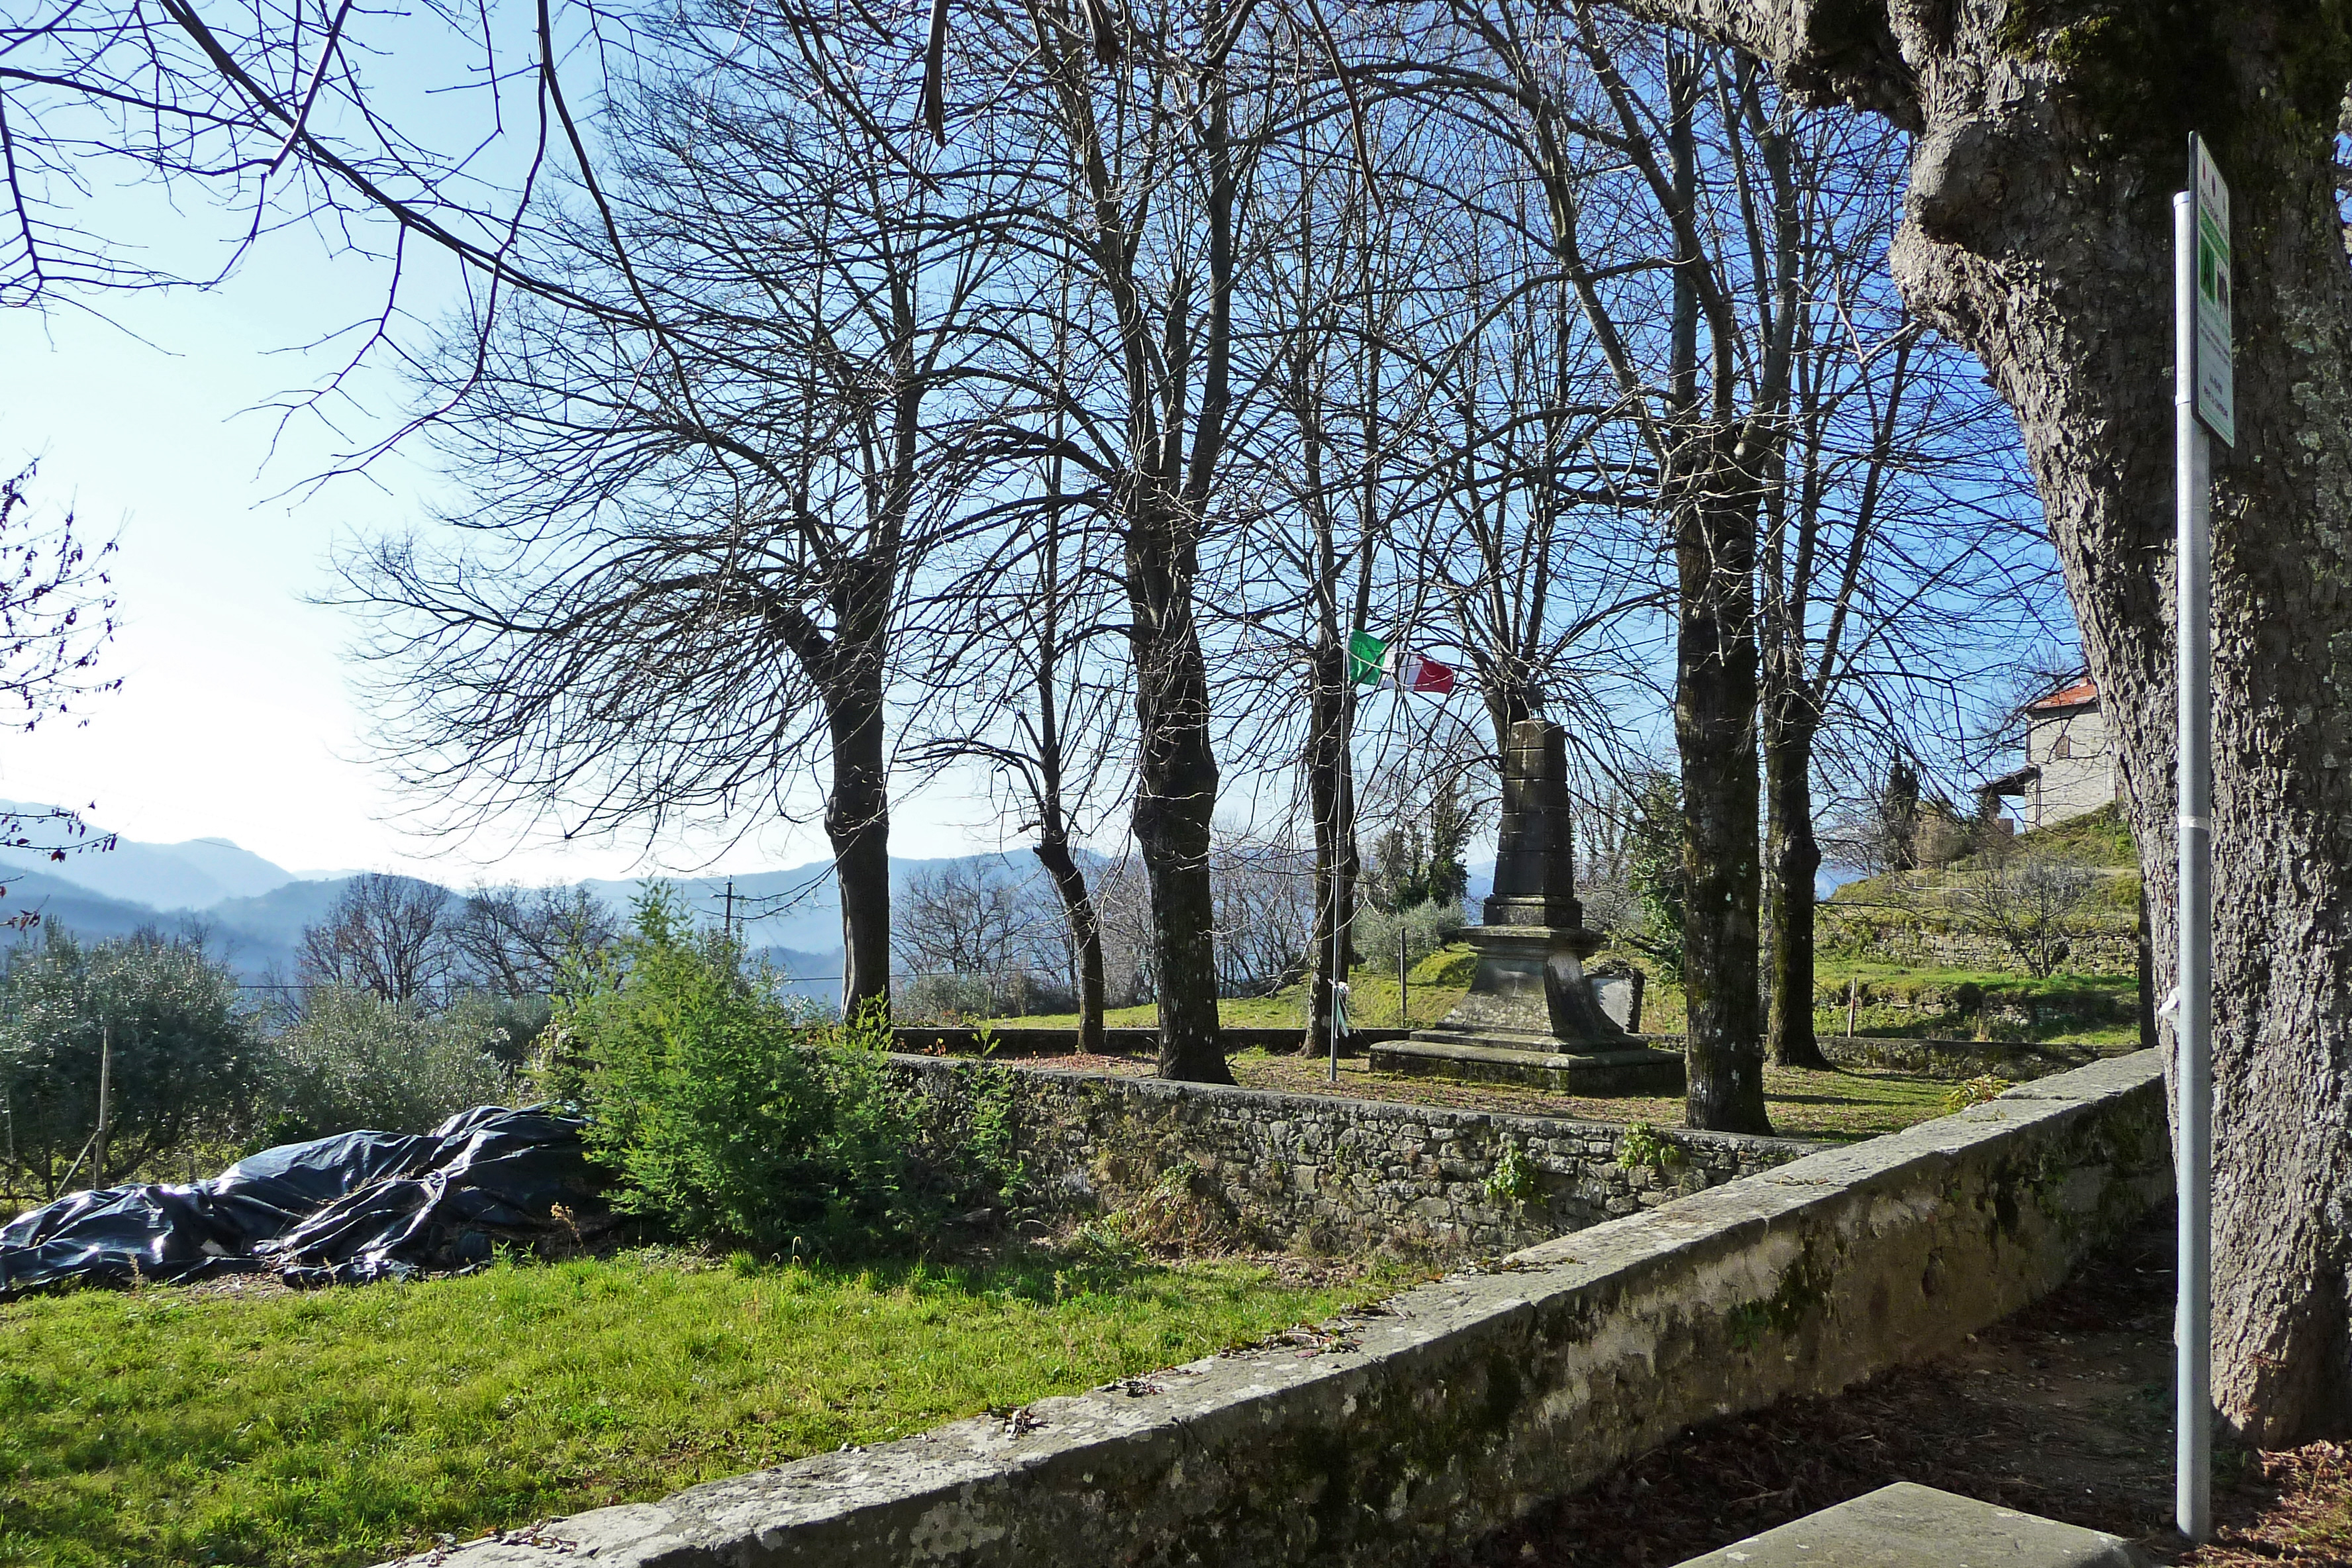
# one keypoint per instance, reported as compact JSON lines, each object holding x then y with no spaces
{"x":235,"y":719}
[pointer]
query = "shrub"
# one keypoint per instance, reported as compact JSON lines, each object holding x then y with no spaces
{"x":186,"y":1061}
{"x":355,"y":1061}
{"x":1426,"y":927}
{"x":1515,"y":1180}
{"x":737,"y":1116}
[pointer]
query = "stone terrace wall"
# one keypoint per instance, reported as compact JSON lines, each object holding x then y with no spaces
{"x":1342,"y":1175}
{"x":1460,"y":1406}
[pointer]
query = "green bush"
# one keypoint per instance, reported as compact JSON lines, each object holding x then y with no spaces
{"x":355,"y":1061}
{"x":186,"y":1061}
{"x":1425,"y":927}
{"x":737,"y":1116}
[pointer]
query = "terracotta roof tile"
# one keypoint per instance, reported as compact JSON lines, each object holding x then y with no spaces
{"x":2075,"y":696}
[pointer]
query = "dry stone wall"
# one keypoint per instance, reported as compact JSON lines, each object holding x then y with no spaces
{"x":1342,"y":1175}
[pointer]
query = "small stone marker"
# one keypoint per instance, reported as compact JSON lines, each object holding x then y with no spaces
{"x":1911,"y":1526}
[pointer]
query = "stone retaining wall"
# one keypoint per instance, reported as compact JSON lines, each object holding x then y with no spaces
{"x":1956,"y":1059}
{"x":1343,"y":1176}
{"x":2094,"y":949}
{"x":1416,"y":1429}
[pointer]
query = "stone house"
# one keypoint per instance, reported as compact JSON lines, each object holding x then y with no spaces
{"x":2070,"y":767}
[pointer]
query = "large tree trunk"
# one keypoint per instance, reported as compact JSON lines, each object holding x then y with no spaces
{"x":2040,"y":234}
{"x":857,"y":821}
{"x":1078,"y":908}
{"x":1793,"y":858}
{"x":1176,"y":793}
{"x":1715,"y":728}
{"x":1332,"y":797}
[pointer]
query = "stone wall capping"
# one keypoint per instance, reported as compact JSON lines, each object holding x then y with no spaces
{"x":1461,"y":1404}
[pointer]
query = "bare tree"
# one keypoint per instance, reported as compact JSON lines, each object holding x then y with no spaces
{"x":1266,"y":914}
{"x":1149,"y":218}
{"x":2025,"y":897}
{"x":385,"y":934}
{"x":1902,"y":561}
{"x":694,"y":554}
{"x":959,"y":919}
{"x":516,"y":943}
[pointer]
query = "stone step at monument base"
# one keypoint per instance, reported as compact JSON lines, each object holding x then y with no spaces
{"x":1619,"y":1069}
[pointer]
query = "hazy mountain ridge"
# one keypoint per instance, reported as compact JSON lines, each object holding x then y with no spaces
{"x":252,"y":913}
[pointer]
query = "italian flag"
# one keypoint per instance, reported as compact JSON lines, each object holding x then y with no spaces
{"x":1370,"y":657}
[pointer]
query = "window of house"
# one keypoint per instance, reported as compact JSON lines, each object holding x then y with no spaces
{"x":2061,"y":747}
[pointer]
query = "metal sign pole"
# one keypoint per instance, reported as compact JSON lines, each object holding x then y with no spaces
{"x":2193,"y":1080}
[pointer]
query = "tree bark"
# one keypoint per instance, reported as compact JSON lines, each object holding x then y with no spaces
{"x":1078,"y":908}
{"x":1176,"y":793}
{"x":1714,"y":729}
{"x":2039,"y":233}
{"x":1794,"y":856}
{"x":1332,"y":797}
{"x":857,"y":822}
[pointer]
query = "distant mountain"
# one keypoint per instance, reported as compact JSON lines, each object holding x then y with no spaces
{"x":194,"y":875}
{"x":77,"y":909}
{"x":801,"y":908}
{"x":253,"y":913}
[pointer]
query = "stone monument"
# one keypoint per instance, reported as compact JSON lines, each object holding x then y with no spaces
{"x":1530,"y":1015}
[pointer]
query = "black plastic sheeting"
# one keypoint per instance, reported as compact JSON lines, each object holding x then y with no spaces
{"x":335,"y":1211}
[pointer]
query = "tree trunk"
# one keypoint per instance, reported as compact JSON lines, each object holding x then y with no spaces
{"x":1176,"y":793}
{"x":1331,"y":791}
{"x":857,"y":821}
{"x":2040,"y":234}
{"x":1714,"y":729}
{"x":1078,"y":908}
{"x":1794,"y":856}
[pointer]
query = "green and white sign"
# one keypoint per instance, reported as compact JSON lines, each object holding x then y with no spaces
{"x":2215,"y":386}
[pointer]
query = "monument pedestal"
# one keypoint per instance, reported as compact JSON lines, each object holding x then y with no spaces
{"x":1530,"y":1015}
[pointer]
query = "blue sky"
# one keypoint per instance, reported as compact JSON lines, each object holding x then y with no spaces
{"x":234,"y":719}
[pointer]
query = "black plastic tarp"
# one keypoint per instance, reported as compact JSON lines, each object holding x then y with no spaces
{"x":334,"y":1211}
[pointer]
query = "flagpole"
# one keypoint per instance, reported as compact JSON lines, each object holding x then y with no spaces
{"x":1339,"y":860}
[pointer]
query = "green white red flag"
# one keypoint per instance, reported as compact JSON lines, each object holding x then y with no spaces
{"x":1418,"y":672}
{"x":1370,"y":657}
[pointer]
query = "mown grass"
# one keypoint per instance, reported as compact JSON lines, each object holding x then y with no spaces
{"x":1841,"y":1106}
{"x":176,"y":1426}
{"x":1371,"y":1005}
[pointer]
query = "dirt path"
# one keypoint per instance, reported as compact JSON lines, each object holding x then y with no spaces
{"x":2064,"y":1410}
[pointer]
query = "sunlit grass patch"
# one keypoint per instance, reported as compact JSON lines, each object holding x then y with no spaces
{"x":170,"y":1425}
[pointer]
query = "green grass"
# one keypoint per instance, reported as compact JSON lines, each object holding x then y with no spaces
{"x":1371,"y":1005}
{"x":1926,"y":1003}
{"x":170,"y":1425}
{"x":1841,"y":1106}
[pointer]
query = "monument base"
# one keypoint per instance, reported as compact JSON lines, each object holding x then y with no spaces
{"x":1531,"y":1016}
{"x":1632,"y":1068}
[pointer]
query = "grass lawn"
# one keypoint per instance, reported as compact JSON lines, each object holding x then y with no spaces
{"x":192,"y":1426}
{"x":1841,"y":1106}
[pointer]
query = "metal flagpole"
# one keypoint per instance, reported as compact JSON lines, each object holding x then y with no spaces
{"x":2193,"y":1081}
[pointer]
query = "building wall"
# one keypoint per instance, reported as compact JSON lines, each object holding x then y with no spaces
{"x":2081,"y":779}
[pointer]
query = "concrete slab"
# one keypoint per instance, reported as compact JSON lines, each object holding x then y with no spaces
{"x":1911,"y":1526}
{"x":1627,"y":1069}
